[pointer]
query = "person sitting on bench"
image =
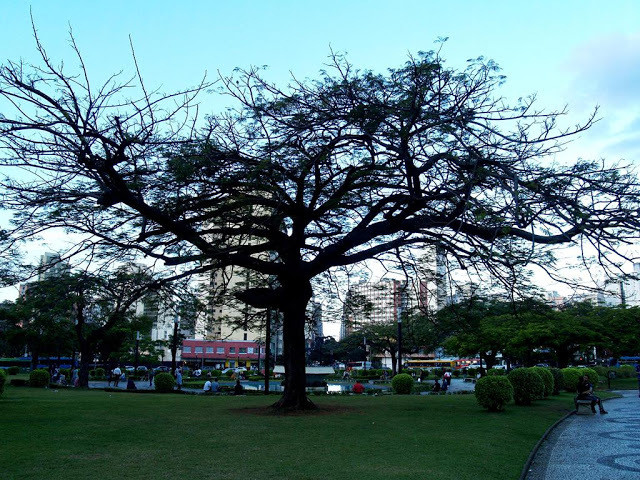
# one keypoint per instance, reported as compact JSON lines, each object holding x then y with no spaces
{"x":585,"y":392}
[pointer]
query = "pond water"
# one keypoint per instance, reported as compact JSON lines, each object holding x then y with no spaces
{"x":331,"y":387}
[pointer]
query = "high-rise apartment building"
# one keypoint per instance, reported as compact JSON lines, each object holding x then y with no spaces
{"x":374,"y":302}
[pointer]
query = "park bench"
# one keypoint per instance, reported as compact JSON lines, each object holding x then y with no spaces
{"x":470,"y":380}
{"x":583,"y":407}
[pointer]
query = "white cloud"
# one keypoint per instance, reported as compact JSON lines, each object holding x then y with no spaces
{"x":606,"y":71}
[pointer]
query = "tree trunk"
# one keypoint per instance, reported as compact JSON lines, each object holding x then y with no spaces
{"x":490,"y":360}
{"x":393,"y":363}
{"x":562,"y":356}
{"x":294,"y":310}
{"x":85,"y":361}
{"x":35,"y":358}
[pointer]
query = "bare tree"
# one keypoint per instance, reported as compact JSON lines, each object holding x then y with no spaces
{"x":299,"y":181}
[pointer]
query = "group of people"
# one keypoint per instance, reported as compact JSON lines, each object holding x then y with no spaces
{"x":116,"y":375}
{"x":60,"y":378}
{"x":214,"y":387}
{"x":446,"y":382}
{"x":211,"y":387}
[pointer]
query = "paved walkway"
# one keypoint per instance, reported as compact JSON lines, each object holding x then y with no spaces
{"x":593,"y":447}
{"x":457,"y":385}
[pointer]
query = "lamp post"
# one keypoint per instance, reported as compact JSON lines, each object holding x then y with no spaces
{"x":399,"y":343}
{"x":365,"y":352}
{"x":137,"y":356}
{"x":174,"y":345}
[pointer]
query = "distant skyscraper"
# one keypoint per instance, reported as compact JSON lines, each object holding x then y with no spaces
{"x":51,"y":266}
{"x":379,"y":302}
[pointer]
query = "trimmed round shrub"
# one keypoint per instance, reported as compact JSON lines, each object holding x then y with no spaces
{"x":625,"y":371}
{"x":496,"y":372}
{"x":601,"y":371}
{"x":39,"y":378}
{"x":402,"y":384}
{"x":493,"y":392}
{"x":14,"y":370}
{"x":558,"y":380}
{"x":97,"y":373}
{"x":547,"y":379}
{"x":594,"y":378}
{"x":570,"y":377}
{"x":164,"y":382}
{"x":527,"y":385}
{"x":3,"y":379}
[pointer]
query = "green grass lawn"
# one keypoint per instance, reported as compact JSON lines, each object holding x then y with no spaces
{"x":621,"y":383}
{"x":69,"y":434}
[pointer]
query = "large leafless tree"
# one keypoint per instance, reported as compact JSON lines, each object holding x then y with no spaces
{"x":298,"y":181}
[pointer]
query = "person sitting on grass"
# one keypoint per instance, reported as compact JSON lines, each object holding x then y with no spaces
{"x":358,"y":387}
{"x":585,"y":392}
{"x":207,"y":387}
{"x":238,"y":388}
{"x":436,"y":386}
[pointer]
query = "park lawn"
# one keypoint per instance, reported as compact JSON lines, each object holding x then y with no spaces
{"x":69,"y":434}
{"x":621,"y":383}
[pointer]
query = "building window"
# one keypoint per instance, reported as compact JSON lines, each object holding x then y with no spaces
{"x":250,"y":350}
{"x":186,"y":350}
{"x":245,"y":336}
{"x":198,"y":349}
{"x":232,"y":349}
{"x":220,"y":350}
{"x":209,"y":349}
{"x":242,"y":350}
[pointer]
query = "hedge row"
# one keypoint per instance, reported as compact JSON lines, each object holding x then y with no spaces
{"x":529,"y":384}
{"x":3,"y":379}
{"x":523,"y":385}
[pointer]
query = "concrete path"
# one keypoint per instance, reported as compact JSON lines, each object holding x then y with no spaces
{"x":593,"y":447}
{"x":457,"y":385}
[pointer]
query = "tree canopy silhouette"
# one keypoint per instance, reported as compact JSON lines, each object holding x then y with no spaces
{"x":296,"y":181}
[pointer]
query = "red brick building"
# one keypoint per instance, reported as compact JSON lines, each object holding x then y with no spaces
{"x":222,"y":353}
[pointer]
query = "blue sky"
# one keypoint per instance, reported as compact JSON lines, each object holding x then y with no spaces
{"x":579,"y":53}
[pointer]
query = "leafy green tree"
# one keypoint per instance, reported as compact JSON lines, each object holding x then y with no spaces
{"x":350,"y":348}
{"x":300,"y":181}
{"x":563,"y":332}
{"x":43,"y":319}
{"x":479,"y":326}
{"x":620,"y":330}
{"x":9,"y":345}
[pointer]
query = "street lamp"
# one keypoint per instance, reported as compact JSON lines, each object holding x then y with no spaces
{"x":174,"y":346}
{"x":137,"y":357}
{"x":399,"y":343}
{"x":366,"y":349}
